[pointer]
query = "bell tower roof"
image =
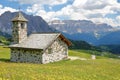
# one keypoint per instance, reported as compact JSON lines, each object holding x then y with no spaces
{"x":19,"y":17}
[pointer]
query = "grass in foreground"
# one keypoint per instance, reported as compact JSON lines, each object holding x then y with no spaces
{"x":99,"y":69}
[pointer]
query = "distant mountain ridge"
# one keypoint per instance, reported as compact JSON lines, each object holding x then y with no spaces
{"x":79,"y":26}
{"x":35,"y":23}
{"x":86,"y":30}
{"x":96,"y":34}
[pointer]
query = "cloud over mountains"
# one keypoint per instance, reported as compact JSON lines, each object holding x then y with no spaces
{"x":98,"y":11}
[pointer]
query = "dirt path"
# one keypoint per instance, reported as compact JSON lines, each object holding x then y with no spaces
{"x":75,"y":58}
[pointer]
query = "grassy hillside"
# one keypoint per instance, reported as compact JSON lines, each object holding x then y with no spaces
{"x":99,"y":69}
{"x":4,"y":40}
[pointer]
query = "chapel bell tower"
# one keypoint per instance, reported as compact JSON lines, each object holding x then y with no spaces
{"x":19,"y":28}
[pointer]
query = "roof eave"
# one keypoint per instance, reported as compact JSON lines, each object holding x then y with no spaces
{"x":69,"y":43}
{"x":25,"y":48}
{"x":13,"y":20}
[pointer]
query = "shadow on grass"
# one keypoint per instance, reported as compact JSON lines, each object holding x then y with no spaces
{"x":4,"y":60}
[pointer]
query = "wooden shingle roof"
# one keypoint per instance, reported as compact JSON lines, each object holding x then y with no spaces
{"x":19,"y":17}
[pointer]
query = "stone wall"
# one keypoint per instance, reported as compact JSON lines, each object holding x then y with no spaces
{"x":56,"y":52}
{"x":26,"y":55}
{"x":19,"y":31}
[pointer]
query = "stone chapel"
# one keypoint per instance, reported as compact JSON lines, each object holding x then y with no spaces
{"x":37,"y":47}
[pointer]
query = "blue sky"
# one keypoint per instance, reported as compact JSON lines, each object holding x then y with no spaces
{"x":98,"y":11}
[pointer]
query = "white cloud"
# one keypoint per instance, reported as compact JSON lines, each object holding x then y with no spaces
{"x":93,"y":4}
{"x":94,"y":10}
{"x":117,"y":21}
{"x":118,"y":18}
{"x":104,"y":20}
{"x":34,"y":9}
{"x":41,"y":2}
{"x":79,"y":3}
{"x":3,"y":9}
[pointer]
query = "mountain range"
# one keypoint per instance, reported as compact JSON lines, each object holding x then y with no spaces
{"x":93,"y":33}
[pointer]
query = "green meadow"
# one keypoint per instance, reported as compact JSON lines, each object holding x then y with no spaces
{"x":102,"y":68}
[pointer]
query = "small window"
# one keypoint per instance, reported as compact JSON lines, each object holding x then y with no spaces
{"x":14,"y":23}
{"x":49,"y":50}
{"x":22,"y":25}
